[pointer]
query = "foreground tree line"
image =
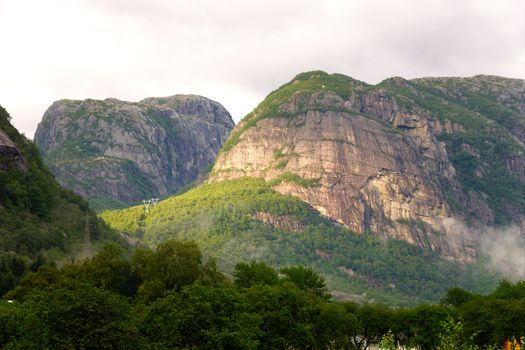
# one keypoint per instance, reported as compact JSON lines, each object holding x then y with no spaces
{"x":171,"y":298}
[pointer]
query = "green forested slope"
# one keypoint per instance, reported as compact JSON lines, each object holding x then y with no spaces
{"x":221,"y":218}
{"x":479,"y":119}
{"x":39,"y":220}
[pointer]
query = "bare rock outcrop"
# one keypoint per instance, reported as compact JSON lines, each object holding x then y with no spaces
{"x":10,"y":155}
{"x":370,"y":159}
{"x":130,"y":151}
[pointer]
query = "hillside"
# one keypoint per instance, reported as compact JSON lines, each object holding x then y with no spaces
{"x":115,"y":153}
{"x":39,"y":220}
{"x":384,"y":189}
{"x":245,"y":219}
{"x":428,"y":161}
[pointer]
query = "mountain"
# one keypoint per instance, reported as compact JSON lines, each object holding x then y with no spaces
{"x":426,"y":161}
{"x":39,"y":220}
{"x":384,"y":189}
{"x":115,"y":152}
{"x":246,"y":219}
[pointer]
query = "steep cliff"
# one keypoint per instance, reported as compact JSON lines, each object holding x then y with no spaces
{"x":114,"y":151}
{"x":403,"y":159}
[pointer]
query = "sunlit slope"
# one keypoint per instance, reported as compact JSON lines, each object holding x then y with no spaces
{"x":245,"y":219}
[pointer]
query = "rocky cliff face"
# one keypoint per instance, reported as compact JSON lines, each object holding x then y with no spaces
{"x":10,"y":155}
{"x":390,"y":159}
{"x":127,"y":151}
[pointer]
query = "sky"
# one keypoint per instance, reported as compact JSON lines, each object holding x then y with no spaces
{"x":238,"y":51}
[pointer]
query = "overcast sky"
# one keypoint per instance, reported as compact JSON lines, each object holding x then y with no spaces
{"x":236,"y":52}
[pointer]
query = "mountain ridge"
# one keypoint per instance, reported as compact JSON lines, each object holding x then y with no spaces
{"x":418,"y":174}
{"x":117,"y":152}
{"x":417,"y":141}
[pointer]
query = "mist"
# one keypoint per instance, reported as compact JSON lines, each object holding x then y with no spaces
{"x":501,"y":250}
{"x":505,"y":250}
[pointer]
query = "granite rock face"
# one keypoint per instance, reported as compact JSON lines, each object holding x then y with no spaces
{"x":124,"y":151}
{"x":10,"y":155}
{"x":373,"y":159}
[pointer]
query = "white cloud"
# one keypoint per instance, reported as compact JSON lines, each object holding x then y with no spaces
{"x":238,"y":51}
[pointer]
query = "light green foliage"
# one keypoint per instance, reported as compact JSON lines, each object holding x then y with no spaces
{"x":294,"y":178}
{"x":220,"y":218}
{"x":388,"y":341}
{"x":453,"y":337}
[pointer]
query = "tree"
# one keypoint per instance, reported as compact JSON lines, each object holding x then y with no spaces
{"x":456,"y":297}
{"x":46,"y":277}
{"x":247,"y":275}
{"x":374,"y":320}
{"x":452,"y":337}
{"x":171,"y":266}
{"x":425,"y":323}
{"x":288,"y":315}
{"x":108,"y":269}
{"x":204,"y":317}
{"x":388,"y":341}
{"x":77,"y":316}
{"x":307,"y":279}
{"x":334,"y":326}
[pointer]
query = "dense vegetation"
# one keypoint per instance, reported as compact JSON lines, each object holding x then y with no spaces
{"x":40,"y":221}
{"x":171,"y":298}
{"x":222,"y":219}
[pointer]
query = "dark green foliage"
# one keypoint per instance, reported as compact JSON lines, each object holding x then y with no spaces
{"x":373,"y":320}
{"x":77,"y":316}
{"x":287,"y":315}
{"x":39,"y":221}
{"x":425,"y":320}
{"x":12,"y":268}
{"x":171,"y":266}
{"x":202,"y":317}
{"x":457,"y":297}
{"x":109,"y":269}
{"x":84,"y":306}
{"x":305,"y":278}
{"x":250,"y":274}
{"x":502,"y":189}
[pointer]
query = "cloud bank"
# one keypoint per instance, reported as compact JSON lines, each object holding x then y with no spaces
{"x":236,"y":51}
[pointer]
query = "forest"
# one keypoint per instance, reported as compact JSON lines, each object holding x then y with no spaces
{"x":172,"y":298}
{"x":221,"y":219}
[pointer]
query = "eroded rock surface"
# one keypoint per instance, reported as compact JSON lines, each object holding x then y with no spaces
{"x":130,"y":151}
{"x":370,"y":161}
